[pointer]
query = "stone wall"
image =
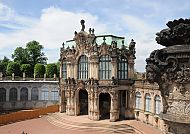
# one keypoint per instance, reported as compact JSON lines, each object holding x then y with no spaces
{"x":43,"y":99}
{"x":149,"y":117}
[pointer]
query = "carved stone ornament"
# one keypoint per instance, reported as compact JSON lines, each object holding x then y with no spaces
{"x":170,"y":68}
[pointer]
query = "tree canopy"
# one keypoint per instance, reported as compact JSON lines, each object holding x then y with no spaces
{"x":35,"y":53}
{"x":39,"y":70}
{"x":21,"y":55}
{"x":51,"y":69}
{"x":26,"y":68}
{"x":13,"y":67}
{"x":3,"y":65}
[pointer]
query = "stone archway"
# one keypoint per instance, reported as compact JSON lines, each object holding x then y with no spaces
{"x":104,"y":105}
{"x":83,"y":102}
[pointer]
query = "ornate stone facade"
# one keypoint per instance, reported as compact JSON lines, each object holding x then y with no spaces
{"x":170,"y":68}
{"x":96,"y":76}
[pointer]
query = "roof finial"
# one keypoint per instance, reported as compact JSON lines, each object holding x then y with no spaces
{"x":82,"y":24}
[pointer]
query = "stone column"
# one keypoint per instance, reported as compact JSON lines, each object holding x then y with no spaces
{"x":68,"y":102}
{"x":62,"y":101}
{"x":18,"y":94}
{"x":152,"y":103}
{"x":131,"y":68}
{"x":72,"y":104}
{"x":61,"y":69}
{"x":24,"y":76}
{"x":7,"y":94}
{"x":91,"y":104}
{"x":114,"y":67}
{"x":143,"y":101}
{"x":114,"y":111}
{"x":68,"y":69}
{"x":1,"y":76}
{"x":96,"y":107}
{"x":75,"y":70}
{"x":29,"y":93}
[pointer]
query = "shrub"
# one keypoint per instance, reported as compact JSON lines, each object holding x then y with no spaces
{"x":51,"y":69}
{"x":39,"y":70}
{"x":13,"y":67}
{"x":26,"y":68}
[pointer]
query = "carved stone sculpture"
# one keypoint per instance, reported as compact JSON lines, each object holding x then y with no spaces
{"x":170,"y":68}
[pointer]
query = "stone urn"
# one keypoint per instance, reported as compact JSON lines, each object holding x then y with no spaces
{"x":170,"y":68}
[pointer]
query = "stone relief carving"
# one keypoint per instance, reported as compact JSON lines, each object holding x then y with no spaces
{"x":170,"y":68}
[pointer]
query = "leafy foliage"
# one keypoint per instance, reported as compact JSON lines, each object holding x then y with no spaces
{"x":3,"y":65}
{"x":13,"y":67}
{"x":26,"y":68}
{"x":58,"y":68}
{"x":39,"y":70}
{"x":21,"y":55}
{"x":51,"y":69}
{"x":35,"y":53}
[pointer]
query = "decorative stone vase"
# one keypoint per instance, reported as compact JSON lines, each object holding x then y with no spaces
{"x":170,"y":68}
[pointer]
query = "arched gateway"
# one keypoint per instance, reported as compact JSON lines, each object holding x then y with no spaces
{"x":83,"y":102}
{"x":104,"y":105}
{"x":96,"y":76}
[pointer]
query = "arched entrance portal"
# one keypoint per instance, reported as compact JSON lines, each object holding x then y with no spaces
{"x":83,"y":102}
{"x":104,"y":105}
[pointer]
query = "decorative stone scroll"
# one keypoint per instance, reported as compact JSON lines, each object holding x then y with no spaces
{"x":170,"y":68}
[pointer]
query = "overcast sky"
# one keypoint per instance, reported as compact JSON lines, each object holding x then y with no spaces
{"x":52,"y":22}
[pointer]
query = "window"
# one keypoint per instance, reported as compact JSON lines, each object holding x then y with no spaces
{"x":122,"y":69}
{"x":64,"y":70}
{"x":2,"y":95}
{"x":45,"y":94}
{"x":157,"y":104}
{"x":147,"y":103}
{"x":83,"y":68}
{"x":55,"y":94}
{"x":13,"y":94}
{"x":34,"y":94}
{"x":138,"y":100}
{"x":105,"y":67}
{"x":24,"y":94}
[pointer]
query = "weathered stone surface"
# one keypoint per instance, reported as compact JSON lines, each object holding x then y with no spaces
{"x":170,"y":68}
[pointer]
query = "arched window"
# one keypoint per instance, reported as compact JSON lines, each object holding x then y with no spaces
{"x":13,"y":94}
{"x":147,"y":103}
{"x":83,"y":68}
{"x":122,"y":69}
{"x":157,"y":103}
{"x":2,"y":95}
{"x":34,"y":93}
{"x":45,"y":94}
{"x":138,"y":100}
{"x":64,"y":70}
{"x":24,"y":94}
{"x":105,"y":67}
{"x":55,"y":94}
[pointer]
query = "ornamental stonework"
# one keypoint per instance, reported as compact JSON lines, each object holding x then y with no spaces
{"x":170,"y":69}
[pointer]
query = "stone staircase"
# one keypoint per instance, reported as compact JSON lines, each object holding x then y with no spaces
{"x":64,"y":121}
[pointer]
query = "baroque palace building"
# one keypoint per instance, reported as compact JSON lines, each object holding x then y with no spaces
{"x":97,"y":76}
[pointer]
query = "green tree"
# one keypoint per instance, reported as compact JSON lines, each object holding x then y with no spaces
{"x":36,"y":55}
{"x":51,"y":69}
{"x":39,"y":70}
{"x":13,"y":67}
{"x":3,"y":65}
{"x":58,"y":68}
{"x":26,"y":68}
{"x":21,"y":55}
